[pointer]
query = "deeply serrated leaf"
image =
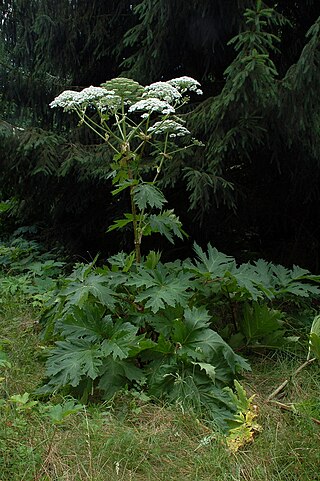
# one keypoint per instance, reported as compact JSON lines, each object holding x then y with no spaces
{"x":123,"y":185}
{"x":249,"y":281}
{"x":200,"y":343}
{"x":120,"y":223}
{"x":69,"y":361}
{"x":116,"y":374}
{"x":167,"y":224}
{"x":121,"y":338}
{"x":213,"y":262}
{"x":88,"y":323}
{"x":148,"y":194}
{"x":162,"y":322}
{"x":77,"y":292}
{"x":208,"y":368}
{"x":163,"y":288}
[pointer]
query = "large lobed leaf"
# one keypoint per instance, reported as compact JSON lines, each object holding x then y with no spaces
{"x":162,"y":287}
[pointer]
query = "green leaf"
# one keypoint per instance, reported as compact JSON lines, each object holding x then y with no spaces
{"x":239,"y":398}
{"x":167,"y":224}
{"x":259,"y":321}
{"x":294,"y":281}
{"x":70,"y":361}
{"x":192,"y":387}
{"x":301,"y":289}
{"x":121,"y":339}
{"x":124,"y":185}
{"x":152,"y":259}
{"x":248,"y":280}
{"x":78,"y":291}
{"x":200,"y":343}
{"x":208,"y":368}
{"x":162,"y":321}
{"x":121,"y":261}
{"x":116,"y":374}
{"x":88,"y":323}
{"x":148,"y":194}
{"x":213,"y":264}
{"x":58,"y":413}
{"x":193,"y":335}
{"x":162,"y":287}
{"x":120,"y":223}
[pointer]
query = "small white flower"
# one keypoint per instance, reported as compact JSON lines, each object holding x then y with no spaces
{"x":66,"y":99}
{"x":70,"y":99}
{"x":152,"y":105}
{"x":109,"y":102}
{"x":174,"y":128}
{"x":163,"y":91}
{"x":90,"y":94}
{"x":183,"y":84}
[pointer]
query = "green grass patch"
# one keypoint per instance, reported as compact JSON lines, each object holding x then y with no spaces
{"x":131,"y":439}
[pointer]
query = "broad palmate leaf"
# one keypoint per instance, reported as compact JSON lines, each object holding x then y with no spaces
{"x":78,"y":291}
{"x":70,"y":361}
{"x":293,"y":281}
{"x":121,"y":338}
{"x":163,"y":287}
{"x":165,"y":223}
{"x":212,"y":264}
{"x":88,"y":323}
{"x":147,"y":194}
{"x":197,"y":341}
{"x":116,"y":375}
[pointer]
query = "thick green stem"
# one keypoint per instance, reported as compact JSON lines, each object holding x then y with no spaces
{"x":136,"y":236}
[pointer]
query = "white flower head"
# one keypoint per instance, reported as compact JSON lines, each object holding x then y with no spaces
{"x":163,"y":91}
{"x":183,"y":84}
{"x":168,"y":126}
{"x":109,"y":101}
{"x":67,"y":100}
{"x":92,"y":94}
{"x":71,"y":100}
{"x":150,"y":105}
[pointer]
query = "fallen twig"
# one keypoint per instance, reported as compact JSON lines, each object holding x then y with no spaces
{"x":283,"y":385}
{"x":291,"y":407}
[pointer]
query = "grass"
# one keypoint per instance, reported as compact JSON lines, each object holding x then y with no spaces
{"x":129,"y":439}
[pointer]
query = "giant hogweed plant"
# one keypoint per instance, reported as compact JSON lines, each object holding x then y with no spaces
{"x":151,"y":327}
{"x":140,"y":323}
{"x":140,"y":126}
{"x":133,"y":322}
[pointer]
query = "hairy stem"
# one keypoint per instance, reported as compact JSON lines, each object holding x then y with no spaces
{"x":136,"y":237}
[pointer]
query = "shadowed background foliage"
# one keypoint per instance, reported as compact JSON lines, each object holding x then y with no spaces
{"x":252,"y":191}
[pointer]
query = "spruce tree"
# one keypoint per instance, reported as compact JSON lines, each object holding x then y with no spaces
{"x":259,"y":119}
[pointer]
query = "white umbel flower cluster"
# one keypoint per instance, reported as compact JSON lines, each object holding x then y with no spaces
{"x":152,"y":105}
{"x":67,"y":100}
{"x":93,"y":94}
{"x":109,"y":102}
{"x":184,"y":84}
{"x":70,"y":100}
{"x":159,"y":97}
{"x":168,"y":126}
{"x":163,"y":91}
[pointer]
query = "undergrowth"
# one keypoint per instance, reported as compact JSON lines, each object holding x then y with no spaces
{"x":130,"y":438}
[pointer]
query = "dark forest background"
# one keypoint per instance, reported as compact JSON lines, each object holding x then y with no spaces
{"x":253,"y":191}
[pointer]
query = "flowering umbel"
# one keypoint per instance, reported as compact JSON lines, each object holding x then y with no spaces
{"x":141,"y":127}
{"x":159,"y":97}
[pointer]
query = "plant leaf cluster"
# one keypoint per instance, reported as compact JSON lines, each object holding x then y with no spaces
{"x":153,"y":326}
